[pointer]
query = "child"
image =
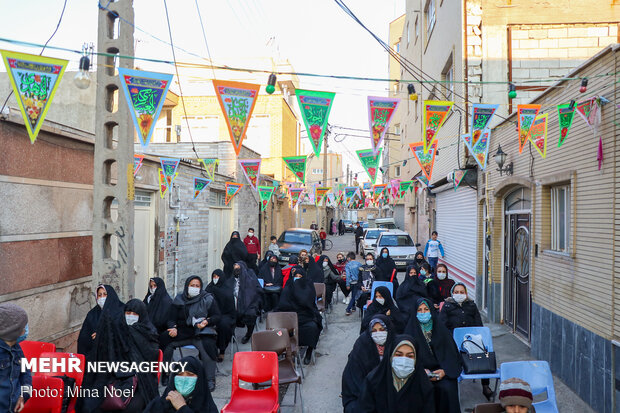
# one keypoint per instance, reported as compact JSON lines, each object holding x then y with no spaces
{"x":352,"y":270}
{"x":323,"y":236}
{"x":432,"y":250}
{"x":273,"y":247}
{"x":13,"y":330}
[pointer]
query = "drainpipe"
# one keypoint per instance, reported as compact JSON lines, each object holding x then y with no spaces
{"x":177,"y":219}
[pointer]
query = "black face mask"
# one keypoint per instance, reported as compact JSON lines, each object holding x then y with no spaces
{"x":272,"y":264}
{"x":341,"y":260}
{"x":237,"y":272}
{"x":306,"y":264}
{"x":419,"y":259}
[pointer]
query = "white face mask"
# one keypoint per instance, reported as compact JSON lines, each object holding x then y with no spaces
{"x":442,"y":275}
{"x":250,"y":234}
{"x":459,"y":298}
{"x":215,"y":280}
{"x":403,"y":366}
{"x":193,"y":291}
{"x":152,"y":290}
{"x":380,"y":300}
{"x":101,"y":301}
{"x":325,"y":264}
{"x":369,"y":262}
{"x":131,"y":319}
{"x":379,"y":337}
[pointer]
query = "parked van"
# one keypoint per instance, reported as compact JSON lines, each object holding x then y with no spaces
{"x":387,"y":223}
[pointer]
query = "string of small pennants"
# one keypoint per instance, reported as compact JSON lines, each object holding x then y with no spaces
{"x":35,"y":79}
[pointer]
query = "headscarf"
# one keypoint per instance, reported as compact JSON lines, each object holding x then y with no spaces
{"x":398,"y":382}
{"x":265,"y":260}
{"x":159,"y":304}
{"x":379,"y":393}
{"x":426,"y":327}
{"x":444,"y":354}
{"x":199,"y":400}
{"x":386,"y":265}
{"x":374,"y":308}
{"x":418,"y":261}
{"x":410,"y":291}
{"x":265,"y":272}
{"x":250,"y":291}
{"x":315,"y":273}
{"x":331,"y":226}
{"x":363,"y":358}
{"x":113,"y":305}
{"x":201,"y":306}
{"x":224,"y":294}
{"x":234,"y":251}
{"x":330,"y":267}
{"x":454,"y":286}
{"x":445,"y":285}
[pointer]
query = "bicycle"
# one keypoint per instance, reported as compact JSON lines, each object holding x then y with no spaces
{"x":328,"y":245}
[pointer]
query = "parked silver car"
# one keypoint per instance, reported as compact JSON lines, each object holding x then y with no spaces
{"x":401,"y":246}
{"x":369,"y":242}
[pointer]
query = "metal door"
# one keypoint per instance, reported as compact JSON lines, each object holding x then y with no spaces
{"x":517,"y":302}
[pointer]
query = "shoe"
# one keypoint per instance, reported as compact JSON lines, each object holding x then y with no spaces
{"x":347,"y":312}
{"x":211,"y":384}
{"x":344,"y":300}
{"x":245,"y":339}
{"x":308,"y":358}
{"x":348,"y":300}
{"x":487,"y":392}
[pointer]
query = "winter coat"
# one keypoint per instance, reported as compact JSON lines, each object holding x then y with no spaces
{"x":463,"y":315}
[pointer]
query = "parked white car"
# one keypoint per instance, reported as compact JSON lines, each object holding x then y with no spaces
{"x":369,"y":242}
{"x":401,"y":246}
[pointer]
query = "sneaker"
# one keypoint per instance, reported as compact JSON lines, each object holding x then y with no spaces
{"x":347,"y":312}
{"x":348,"y":300}
{"x":344,"y":300}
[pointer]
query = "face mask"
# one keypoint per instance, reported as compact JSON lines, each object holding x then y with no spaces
{"x":23,"y":336}
{"x":101,"y":301}
{"x":185,"y":384}
{"x":193,"y":291}
{"x":215,"y":280}
{"x":325,"y":264}
{"x":442,"y":275}
{"x":341,"y":260}
{"x":272,"y":264}
{"x":419,"y":259}
{"x":423,"y":273}
{"x":424,"y":317}
{"x":412,"y":275}
{"x":384,"y":255}
{"x":306,"y":264}
{"x":369,"y":262}
{"x":296,"y":278}
{"x":250,"y":234}
{"x":380,"y":300}
{"x":379,"y":337}
{"x":131,"y":319}
{"x":237,"y":272}
{"x":459,"y":298}
{"x":403,"y":366}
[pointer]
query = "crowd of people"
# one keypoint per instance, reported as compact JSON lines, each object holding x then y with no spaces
{"x":405,"y":359}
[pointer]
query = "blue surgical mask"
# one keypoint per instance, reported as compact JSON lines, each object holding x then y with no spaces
{"x":403,"y":366}
{"x":424,"y":317}
{"x":296,"y":278}
{"x":423,"y":273}
{"x":384,"y":254}
{"x":23,"y":336}
{"x":185,"y":384}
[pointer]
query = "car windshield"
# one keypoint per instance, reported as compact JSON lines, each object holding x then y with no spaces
{"x":388,"y":225}
{"x":296,"y":238}
{"x":396,"y":241}
{"x":372,"y":234}
{"x":347,"y":221}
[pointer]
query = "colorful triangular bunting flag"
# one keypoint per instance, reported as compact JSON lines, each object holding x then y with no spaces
{"x":297,"y":165}
{"x":237,"y":101}
{"x":566,"y":114}
{"x":321,"y":192}
{"x":137,"y":163}
{"x":295,"y":194}
{"x":403,"y":187}
{"x":210,"y":165}
{"x":525,"y":117}
{"x":232,"y":189}
{"x":315,"y":107}
{"x":426,"y":160}
{"x":380,"y":111}
{"x":481,"y":116}
{"x":538,"y":134}
{"x":377,"y":190}
{"x":370,"y":162}
{"x":265,"y":192}
{"x":34,"y":80}
{"x":199,"y":185}
{"x":459,"y":174}
{"x":169,"y":166}
{"x":251,"y":170}
{"x":434,"y":115}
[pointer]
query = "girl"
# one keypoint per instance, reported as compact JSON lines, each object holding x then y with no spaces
{"x":388,"y":267}
{"x":444,"y":283}
{"x":383,"y":303}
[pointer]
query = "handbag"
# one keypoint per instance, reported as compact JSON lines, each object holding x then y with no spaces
{"x":274,"y":289}
{"x":478,"y":363}
{"x":113,"y":401}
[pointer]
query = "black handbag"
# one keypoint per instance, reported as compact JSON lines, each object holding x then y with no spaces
{"x":478,"y":363}
{"x":273,"y":289}
{"x":119,"y":401}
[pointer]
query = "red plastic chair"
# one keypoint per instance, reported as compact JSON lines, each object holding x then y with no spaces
{"x":254,"y":367}
{"x":33,"y":349}
{"x":78,"y":376}
{"x":159,"y":360}
{"x":51,"y":402}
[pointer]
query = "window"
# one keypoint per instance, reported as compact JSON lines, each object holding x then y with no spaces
{"x":296,"y":238}
{"x":448,"y":78}
{"x":429,"y":14}
{"x":560,"y":218}
{"x":316,"y":171}
{"x":397,"y":48}
{"x":408,"y":33}
{"x":395,"y":241}
{"x":203,"y":128}
{"x":417,"y":28}
{"x":217,"y":198}
{"x":397,"y":171}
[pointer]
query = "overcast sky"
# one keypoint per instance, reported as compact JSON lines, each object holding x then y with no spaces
{"x":315,"y":36}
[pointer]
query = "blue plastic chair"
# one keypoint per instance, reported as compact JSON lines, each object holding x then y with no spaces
{"x":538,"y":375}
{"x":459,"y":335}
{"x":376,"y":284}
{"x":261,"y":282}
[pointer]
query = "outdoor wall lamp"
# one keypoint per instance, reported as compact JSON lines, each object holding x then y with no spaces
{"x":500,"y":159}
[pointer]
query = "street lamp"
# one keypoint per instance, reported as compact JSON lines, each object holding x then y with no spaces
{"x":500,"y":159}
{"x":82,"y":78}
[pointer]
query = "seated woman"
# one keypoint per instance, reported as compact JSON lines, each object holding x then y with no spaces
{"x":194,"y":316}
{"x":368,"y":273}
{"x":271,"y":273}
{"x":158,"y":304}
{"x":131,"y":338}
{"x":444,"y":282}
{"x":398,"y":384}
{"x":107,"y":302}
{"x":367,"y":353}
{"x":225,"y":297}
{"x":249,"y":295}
{"x":419,"y":260}
{"x":340,"y":263}
{"x":383,"y":303}
{"x":432,"y":289}
{"x":313,"y":270}
{"x":437,"y":354}
{"x":460,"y":311}
{"x":299,"y":296}
{"x":410,"y":291}
{"x":388,"y":268}
{"x":186,"y":392}
{"x":331,"y":277}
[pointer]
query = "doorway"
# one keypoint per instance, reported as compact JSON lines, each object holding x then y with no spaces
{"x":517,"y":297}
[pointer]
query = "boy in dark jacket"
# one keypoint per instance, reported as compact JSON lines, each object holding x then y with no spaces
{"x":13,"y":321}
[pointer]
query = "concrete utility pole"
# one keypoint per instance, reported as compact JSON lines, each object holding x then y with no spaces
{"x":114,"y":141}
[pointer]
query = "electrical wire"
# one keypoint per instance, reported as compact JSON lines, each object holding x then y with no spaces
{"x":204,"y":36}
